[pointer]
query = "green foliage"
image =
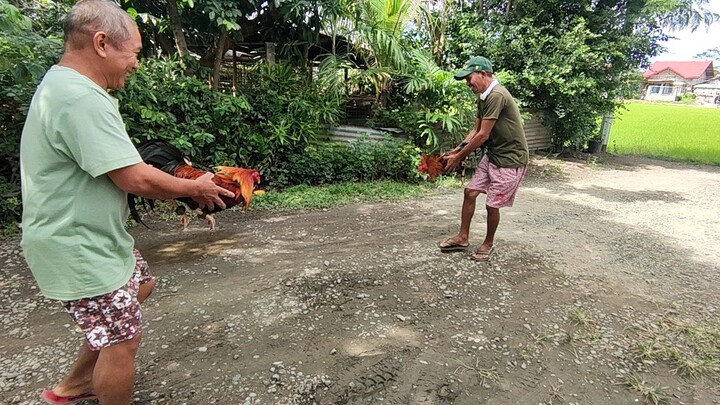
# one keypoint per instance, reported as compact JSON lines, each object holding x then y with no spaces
{"x":45,"y":16}
{"x":431,"y":106}
{"x":574,"y":62}
{"x":10,"y":207}
{"x":24,"y":58}
{"x":279,"y":113}
{"x":688,"y":98}
{"x":563,"y":74}
{"x":224,"y":13}
{"x":12,"y":20}
{"x":359,"y":161}
{"x":161,"y":102}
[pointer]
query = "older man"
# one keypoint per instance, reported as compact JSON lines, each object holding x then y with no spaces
{"x":77,"y":164}
{"x":498,"y":128}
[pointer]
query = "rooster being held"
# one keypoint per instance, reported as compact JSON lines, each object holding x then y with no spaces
{"x":166,"y":157}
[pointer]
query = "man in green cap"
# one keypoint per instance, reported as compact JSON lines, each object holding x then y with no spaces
{"x":499,"y":129}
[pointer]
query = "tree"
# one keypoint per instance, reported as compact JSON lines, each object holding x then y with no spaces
{"x":711,"y":54}
{"x":177,"y":29}
{"x":572,"y":60}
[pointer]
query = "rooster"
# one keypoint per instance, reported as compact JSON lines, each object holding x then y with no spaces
{"x":435,"y":165}
{"x":166,"y":157}
{"x":432,"y":166}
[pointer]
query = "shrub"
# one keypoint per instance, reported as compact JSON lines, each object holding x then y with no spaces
{"x":279,"y":113}
{"x":688,"y":98}
{"x":433,"y":108}
{"x":24,"y":58}
{"x":10,"y":206}
{"x":359,"y":161}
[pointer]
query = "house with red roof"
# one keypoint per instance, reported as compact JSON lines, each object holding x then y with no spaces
{"x":667,"y":81}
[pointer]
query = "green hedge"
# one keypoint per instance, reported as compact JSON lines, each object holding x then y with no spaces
{"x":356,"y":162}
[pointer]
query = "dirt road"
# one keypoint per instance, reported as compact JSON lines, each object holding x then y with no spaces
{"x":603,"y":289}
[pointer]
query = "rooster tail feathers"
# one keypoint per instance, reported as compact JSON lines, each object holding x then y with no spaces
{"x":246,"y":178}
{"x":132,"y":204}
{"x":161,"y":154}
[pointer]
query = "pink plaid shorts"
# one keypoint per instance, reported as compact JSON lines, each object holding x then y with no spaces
{"x":113,"y":317}
{"x":499,"y":183}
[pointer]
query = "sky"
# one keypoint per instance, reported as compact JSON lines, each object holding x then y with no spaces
{"x":688,"y":44}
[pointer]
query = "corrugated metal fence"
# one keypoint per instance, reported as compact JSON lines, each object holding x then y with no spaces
{"x":537,"y":135}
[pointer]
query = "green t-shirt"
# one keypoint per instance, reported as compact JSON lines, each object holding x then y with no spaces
{"x":506,"y":146}
{"x":74,"y":238}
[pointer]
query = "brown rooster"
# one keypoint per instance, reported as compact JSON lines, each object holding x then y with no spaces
{"x":432,"y":166}
{"x":166,"y":157}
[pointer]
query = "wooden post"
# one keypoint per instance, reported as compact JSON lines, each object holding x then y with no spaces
{"x":270,"y":53}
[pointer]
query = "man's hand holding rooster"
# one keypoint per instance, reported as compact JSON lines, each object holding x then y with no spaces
{"x":208,"y":193}
{"x":451,"y":160}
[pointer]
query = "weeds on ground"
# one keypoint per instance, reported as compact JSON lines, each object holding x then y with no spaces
{"x":693,"y":350}
{"x":579,"y":317}
{"x":653,"y":395}
{"x":485,"y":374}
{"x":593,"y":162}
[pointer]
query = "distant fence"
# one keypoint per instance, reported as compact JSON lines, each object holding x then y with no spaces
{"x":350,"y":133}
{"x":537,"y":136}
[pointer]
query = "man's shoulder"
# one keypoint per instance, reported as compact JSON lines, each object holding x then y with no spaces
{"x":501,"y":91}
{"x":65,"y":85}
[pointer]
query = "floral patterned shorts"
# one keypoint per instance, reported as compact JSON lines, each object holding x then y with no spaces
{"x":499,"y":183}
{"x":113,"y":317}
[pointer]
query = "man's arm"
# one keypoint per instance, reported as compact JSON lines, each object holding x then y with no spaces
{"x":146,"y":181}
{"x":481,"y":134}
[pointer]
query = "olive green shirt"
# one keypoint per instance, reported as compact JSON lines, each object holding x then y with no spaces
{"x":74,"y":237}
{"x":506,"y":146}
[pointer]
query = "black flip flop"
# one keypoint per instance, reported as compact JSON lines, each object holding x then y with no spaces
{"x":453,"y":247}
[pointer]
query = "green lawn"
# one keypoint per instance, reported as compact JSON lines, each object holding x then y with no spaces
{"x":676,"y":132}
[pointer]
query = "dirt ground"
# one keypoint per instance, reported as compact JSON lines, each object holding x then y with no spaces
{"x":603,"y":289}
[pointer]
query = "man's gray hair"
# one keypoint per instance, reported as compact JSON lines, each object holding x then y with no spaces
{"x":91,"y":16}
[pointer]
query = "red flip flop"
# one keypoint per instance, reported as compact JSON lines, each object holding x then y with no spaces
{"x":51,"y":398}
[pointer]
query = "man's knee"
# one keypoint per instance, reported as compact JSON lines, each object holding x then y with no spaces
{"x":127,"y":349}
{"x":471,"y":194}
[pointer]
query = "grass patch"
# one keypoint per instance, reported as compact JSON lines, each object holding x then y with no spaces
{"x":669,"y":131}
{"x":485,"y":374}
{"x":579,"y":317}
{"x":319,"y":197}
{"x":692,"y":350}
{"x":653,"y":395}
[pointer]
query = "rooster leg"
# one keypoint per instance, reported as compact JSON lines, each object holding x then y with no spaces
{"x":185,"y":221}
{"x":211,"y":221}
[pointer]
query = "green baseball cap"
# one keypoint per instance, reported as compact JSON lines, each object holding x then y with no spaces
{"x":475,"y":64}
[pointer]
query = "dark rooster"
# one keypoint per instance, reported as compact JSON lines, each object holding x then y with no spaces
{"x":166,"y":157}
